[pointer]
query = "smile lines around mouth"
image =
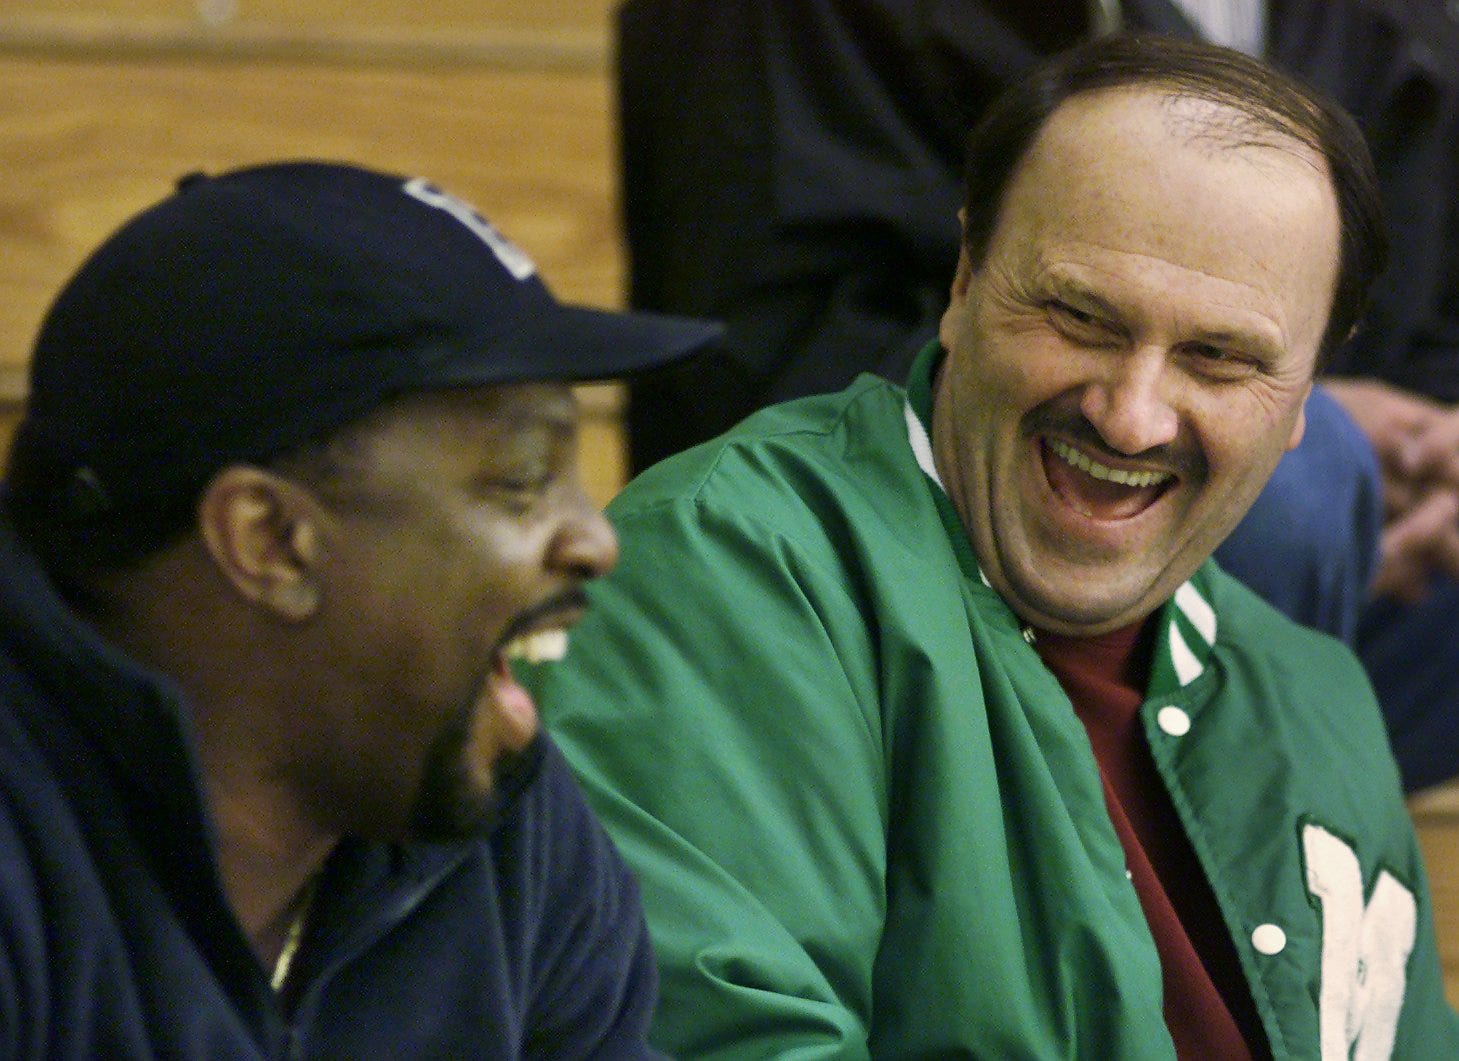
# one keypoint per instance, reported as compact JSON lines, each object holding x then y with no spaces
{"x":1136,"y":480}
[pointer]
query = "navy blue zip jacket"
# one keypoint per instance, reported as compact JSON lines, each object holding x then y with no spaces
{"x":116,"y":940}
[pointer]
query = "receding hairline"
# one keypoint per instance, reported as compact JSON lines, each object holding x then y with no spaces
{"x":1210,"y":120}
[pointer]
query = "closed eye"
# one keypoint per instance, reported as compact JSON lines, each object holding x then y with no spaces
{"x":1078,"y":324}
{"x":1066,"y":310}
{"x":1221,"y":363}
{"x":517,"y":494}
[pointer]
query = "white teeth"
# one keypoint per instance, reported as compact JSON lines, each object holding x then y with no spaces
{"x":1069,"y":455}
{"x":541,"y":647}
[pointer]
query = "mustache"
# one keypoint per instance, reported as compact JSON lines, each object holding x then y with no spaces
{"x":567,"y":604}
{"x":1183,"y":459}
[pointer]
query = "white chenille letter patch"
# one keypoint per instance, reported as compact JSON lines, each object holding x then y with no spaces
{"x":514,"y":260}
{"x":1365,"y":949}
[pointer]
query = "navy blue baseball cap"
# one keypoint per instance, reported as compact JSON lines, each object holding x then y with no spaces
{"x":257,"y":310}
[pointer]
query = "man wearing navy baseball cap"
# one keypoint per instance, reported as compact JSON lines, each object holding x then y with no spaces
{"x":295,"y":484}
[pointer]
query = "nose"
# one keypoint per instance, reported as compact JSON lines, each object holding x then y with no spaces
{"x":1128,"y":403}
{"x":585,"y":544}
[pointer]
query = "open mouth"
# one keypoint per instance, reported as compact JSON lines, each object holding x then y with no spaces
{"x":1097,"y":490}
{"x":515,"y":707}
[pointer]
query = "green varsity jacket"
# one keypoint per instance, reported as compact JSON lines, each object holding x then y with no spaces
{"x":867,"y":822}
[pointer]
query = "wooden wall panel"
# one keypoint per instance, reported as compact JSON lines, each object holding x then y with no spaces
{"x":546,"y":17}
{"x":1436,"y":816}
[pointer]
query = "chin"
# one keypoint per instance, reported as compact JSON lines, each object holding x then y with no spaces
{"x":455,"y":795}
{"x":459,"y":800}
{"x":1086,"y":615}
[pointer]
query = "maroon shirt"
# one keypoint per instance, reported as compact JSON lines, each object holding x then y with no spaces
{"x":1208,"y":1006}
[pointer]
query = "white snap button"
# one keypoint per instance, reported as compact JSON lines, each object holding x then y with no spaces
{"x":1269,"y":939}
{"x":1173,"y":721}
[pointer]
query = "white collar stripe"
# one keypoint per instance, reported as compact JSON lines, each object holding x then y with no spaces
{"x":921,"y":445}
{"x":1200,"y":613}
{"x":922,"y":450}
{"x":1187,"y":667}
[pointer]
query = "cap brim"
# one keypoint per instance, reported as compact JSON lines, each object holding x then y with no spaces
{"x":577,"y":344}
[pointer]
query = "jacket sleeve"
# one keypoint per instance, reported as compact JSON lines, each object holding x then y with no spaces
{"x":17,"y":936}
{"x":26,"y":994}
{"x":712,"y":707}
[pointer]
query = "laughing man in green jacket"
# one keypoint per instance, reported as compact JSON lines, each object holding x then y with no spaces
{"x":925,"y":719}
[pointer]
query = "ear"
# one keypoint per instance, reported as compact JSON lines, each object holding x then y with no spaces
{"x":261,"y":531}
{"x":1299,"y":428}
{"x":962,"y":282}
{"x":964,"y":275}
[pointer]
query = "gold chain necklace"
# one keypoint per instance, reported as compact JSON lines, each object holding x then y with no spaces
{"x":296,"y":935}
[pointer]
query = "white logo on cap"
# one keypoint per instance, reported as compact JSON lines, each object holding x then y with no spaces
{"x":514,"y":260}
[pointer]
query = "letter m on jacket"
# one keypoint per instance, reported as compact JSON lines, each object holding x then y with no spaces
{"x":1365,"y":948}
